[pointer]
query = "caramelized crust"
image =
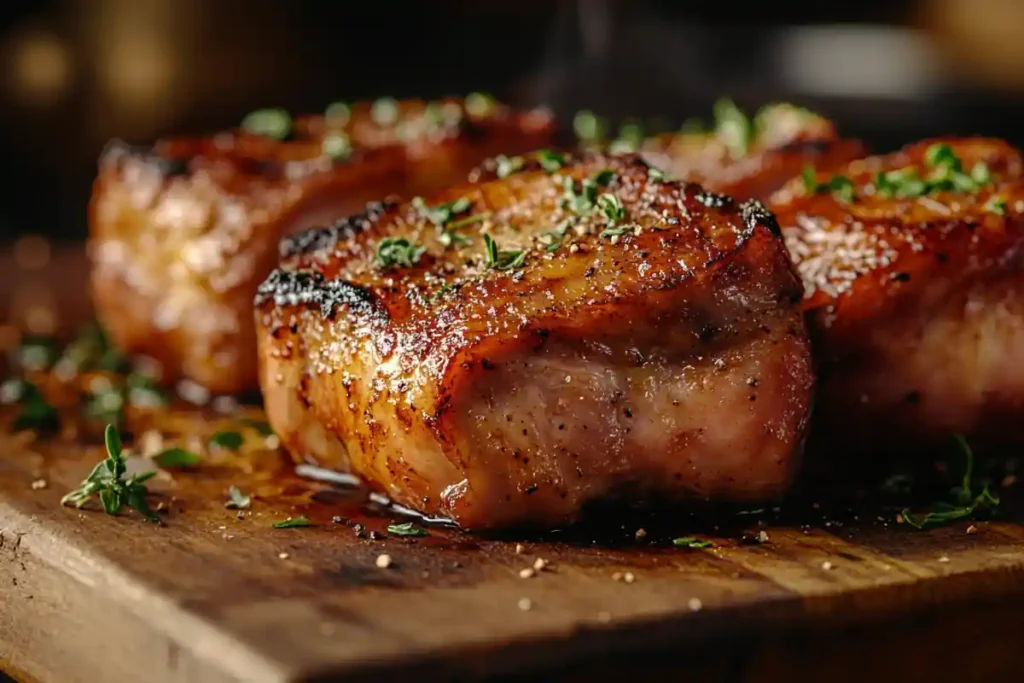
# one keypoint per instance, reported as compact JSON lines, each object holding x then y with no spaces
{"x":656,"y":348}
{"x":780,"y":141}
{"x":915,"y":302}
{"x":183,"y":232}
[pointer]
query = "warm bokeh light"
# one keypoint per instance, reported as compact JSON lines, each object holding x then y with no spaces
{"x":39,"y":67}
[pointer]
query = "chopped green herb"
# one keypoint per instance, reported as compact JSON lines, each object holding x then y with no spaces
{"x":479,"y":105}
{"x":229,"y":440}
{"x":690,"y":542}
{"x":275,"y":123}
{"x":733,"y":127}
{"x":996,"y":204}
{"x":589,"y":128}
{"x":506,"y":166}
{"x":261,"y":426}
{"x":338,"y":114}
{"x":293,"y":523}
{"x":615,"y":232}
{"x":582,"y":201}
{"x":384,"y":111}
{"x":406,"y":529}
{"x":631,"y":136}
{"x":398,"y":251}
{"x":841,"y":187}
{"x":469,"y":220}
{"x":964,"y":505}
{"x":611,"y":207}
{"x":36,"y":412}
{"x":337,"y":146}
{"x":946,"y":174}
{"x":237,"y":500}
{"x":507,"y":259}
{"x":557,"y":236}
{"x":550,"y":161}
{"x":442,"y":291}
{"x":656,"y":175}
{"x":443,"y":214}
{"x":177,"y":458}
{"x":107,"y":480}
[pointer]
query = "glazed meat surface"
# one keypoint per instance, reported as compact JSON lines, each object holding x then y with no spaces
{"x":182,"y":233}
{"x":560,"y":331}
{"x":750,"y":158}
{"x":915,"y":293}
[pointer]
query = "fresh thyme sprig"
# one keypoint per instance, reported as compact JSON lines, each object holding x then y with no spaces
{"x":107,"y":480}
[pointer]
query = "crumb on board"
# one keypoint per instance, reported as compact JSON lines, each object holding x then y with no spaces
{"x":695,"y":604}
{"x":944,"y":559}
{"x":972,"y":529}
{"x":826,"y":565}
{"x":525,"y":604}
{"x":519,"y":548}
{"x":383,"y":561}
{"x":283,"y":556}
{"x":604,"y":617}
{"x":526,"y":573}
{"x":540,"y":564}
{"x":39,"y":484}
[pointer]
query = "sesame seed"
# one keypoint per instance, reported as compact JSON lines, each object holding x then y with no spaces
{"x":383,"y":561}
{"x":568,"y":378}
{"x":540,"y":564}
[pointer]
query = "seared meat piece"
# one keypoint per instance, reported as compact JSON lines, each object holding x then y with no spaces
{"x":184,"y":232}
{"x":751,"y":158}
{"x":915,"y":291}
{"x":515,"y":348}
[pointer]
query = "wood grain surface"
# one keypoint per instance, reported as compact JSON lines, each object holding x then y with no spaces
{"x":214,"y":595}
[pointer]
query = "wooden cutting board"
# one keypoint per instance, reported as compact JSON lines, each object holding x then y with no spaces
{"x":217,"y":596}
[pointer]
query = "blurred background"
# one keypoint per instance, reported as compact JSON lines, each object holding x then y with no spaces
{"x":75,"y":73}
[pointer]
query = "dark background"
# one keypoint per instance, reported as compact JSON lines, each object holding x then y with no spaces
{"x":75,"y":73}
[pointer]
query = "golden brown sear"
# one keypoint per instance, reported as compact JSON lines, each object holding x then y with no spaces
{"x":912,"y":265}
{"x":565,"y":330}
{"x":183,"y":232}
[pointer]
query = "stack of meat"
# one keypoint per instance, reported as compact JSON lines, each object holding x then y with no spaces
{"x":566,"y":326}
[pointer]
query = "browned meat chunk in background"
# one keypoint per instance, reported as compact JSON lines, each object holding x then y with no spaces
{"x":912,"y":265}
{"x":183,"y":233}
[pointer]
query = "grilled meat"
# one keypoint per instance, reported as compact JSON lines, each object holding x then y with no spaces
{"x":561,"y":331}
{"x":912,"y":265}
{"x":751,"y":158}
{"x":183,"y":233}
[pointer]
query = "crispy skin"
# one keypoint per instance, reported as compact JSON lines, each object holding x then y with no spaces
{"x":671,"y":359}
{"x":785,"y":139}
{"x":183,"y":233}
{"x":915,"y":305}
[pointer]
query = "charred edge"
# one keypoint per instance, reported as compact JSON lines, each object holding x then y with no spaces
{"x":754,"y":213}
{"x":295,"y":288}
{"x":118,"y":151}
{"x":325,"y":238}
